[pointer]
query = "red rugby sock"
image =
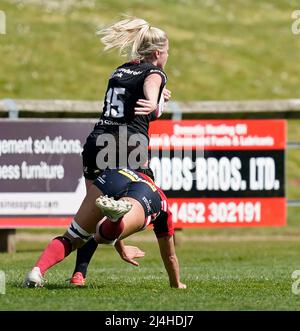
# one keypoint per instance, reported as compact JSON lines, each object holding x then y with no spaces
{"x":112,"y":230}
{"x":56,"y":251}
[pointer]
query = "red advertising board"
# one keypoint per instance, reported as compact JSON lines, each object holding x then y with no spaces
{"x":219,"y":173}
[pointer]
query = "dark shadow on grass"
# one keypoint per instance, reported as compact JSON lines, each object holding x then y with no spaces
{"x":88,"y":287}
{"x":47,"y":286}
{"x":16,"y":284}
{"x":29,"y":250}
{"x":52,"y":287}
{"x":132,"y":286}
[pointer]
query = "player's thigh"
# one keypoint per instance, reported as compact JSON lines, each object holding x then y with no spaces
{"x":88,"y":184}
{"x":89,"y":214}
{"x":134,"y":220}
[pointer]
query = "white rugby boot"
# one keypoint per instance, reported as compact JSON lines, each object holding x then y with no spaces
{"x":113,"y":209}
{"x":34,"y":278}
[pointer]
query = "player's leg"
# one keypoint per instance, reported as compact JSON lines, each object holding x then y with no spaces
{"x":84,"y":253}
{"x":79,"y":232}
{"x":88,"y":184}
{"x":145,"y":201}
{"x":110,"y":183}
{"x":83,"y":258}
{"x":114,"y":227}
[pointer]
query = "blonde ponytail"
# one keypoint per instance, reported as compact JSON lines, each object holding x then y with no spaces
{"x":133,"y":37}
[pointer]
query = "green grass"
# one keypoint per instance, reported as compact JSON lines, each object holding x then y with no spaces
{"x":219,"y":50}
{"x":225,"y":269}
{"x":224,"y":274}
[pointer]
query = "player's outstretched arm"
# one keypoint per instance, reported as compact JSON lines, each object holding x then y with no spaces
{"x":168,"y":254}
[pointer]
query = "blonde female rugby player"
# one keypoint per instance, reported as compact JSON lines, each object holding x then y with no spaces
{"x":134,"y":97}
{"x":134,"y":89}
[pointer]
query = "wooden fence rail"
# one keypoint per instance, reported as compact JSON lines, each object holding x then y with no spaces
{"x":289,"y":108}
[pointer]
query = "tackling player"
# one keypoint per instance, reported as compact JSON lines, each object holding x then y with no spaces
{"x":135,"y":95}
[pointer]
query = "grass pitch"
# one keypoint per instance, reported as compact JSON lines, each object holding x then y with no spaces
{"x":248,"y":269}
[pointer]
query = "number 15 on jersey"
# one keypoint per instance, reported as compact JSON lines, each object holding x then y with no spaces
{"x":114,"y":106}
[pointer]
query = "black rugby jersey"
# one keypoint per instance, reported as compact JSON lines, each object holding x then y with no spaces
{"x":125,"y":87}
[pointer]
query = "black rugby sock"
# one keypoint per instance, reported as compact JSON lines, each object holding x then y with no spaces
{"x":84,"y":255}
